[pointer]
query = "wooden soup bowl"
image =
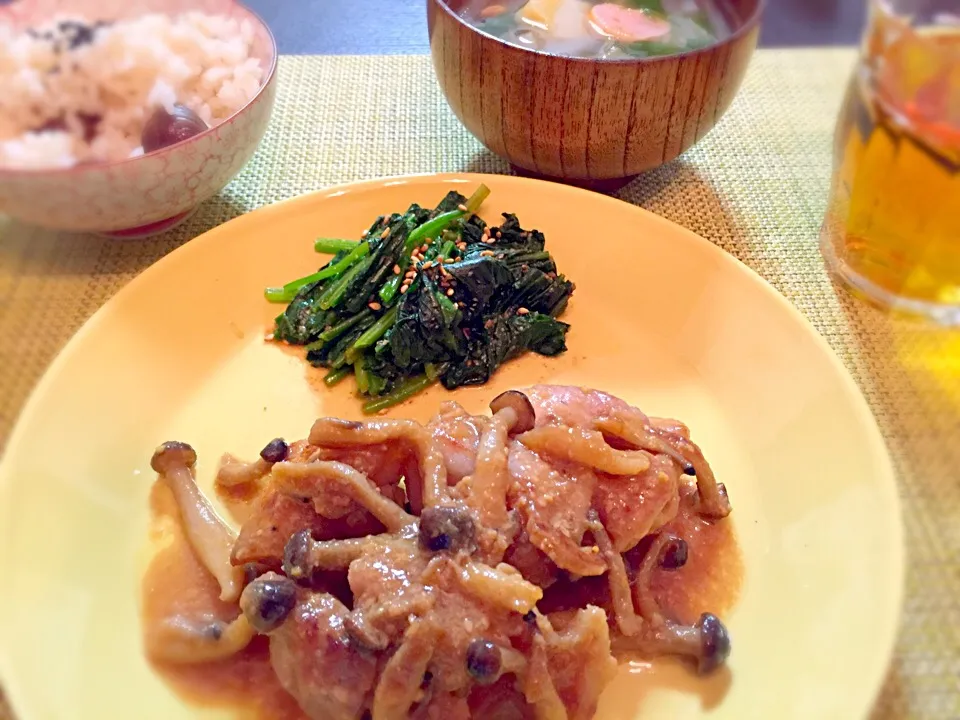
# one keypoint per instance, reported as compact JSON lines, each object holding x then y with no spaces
{"x":583,"y":120}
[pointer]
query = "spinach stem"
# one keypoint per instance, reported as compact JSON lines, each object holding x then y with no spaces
{"x":476,"y":200}
{"x":289,"y":291}
{"x":332,"y":333}
{"x":331,"y":246}
{"x":333,"y":295}
{"x":389,"y":290}
{"x":363,"y":377}
{"x":403,"y":391}
{"x":335,"y":376}
{"x":432,"y":228}
{"x":434,"y":371}
{"x":374,"y":332}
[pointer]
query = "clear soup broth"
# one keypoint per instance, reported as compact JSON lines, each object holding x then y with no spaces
{"x":619,"y":30}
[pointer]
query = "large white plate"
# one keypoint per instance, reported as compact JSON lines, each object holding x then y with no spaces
{"x":661,"y":317}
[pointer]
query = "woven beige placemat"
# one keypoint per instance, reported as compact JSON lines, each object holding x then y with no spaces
{"x":756,"y":187}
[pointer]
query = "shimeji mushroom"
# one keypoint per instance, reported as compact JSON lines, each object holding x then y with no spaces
{"x":209,"y":536}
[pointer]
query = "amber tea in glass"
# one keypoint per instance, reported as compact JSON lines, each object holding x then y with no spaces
{"x":892,"y":232}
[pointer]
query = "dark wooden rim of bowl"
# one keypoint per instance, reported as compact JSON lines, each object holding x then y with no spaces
{"x":269,"y":77}
{"x":747,"y":26}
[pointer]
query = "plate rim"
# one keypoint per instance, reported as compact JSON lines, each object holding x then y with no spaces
{"x":886,"y":482}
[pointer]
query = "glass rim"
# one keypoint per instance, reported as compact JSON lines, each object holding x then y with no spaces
{"x":888,"y":9}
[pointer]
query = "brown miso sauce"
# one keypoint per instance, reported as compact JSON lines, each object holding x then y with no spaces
{"x":709,"y":581}
{"x":176,"y":582}
{"x":711,"y":578}
{"x":245,"y":682}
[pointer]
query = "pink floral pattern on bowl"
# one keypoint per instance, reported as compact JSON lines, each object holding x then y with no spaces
{"x":151,"y":193}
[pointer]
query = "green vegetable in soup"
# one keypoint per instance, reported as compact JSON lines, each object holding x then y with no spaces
{"x":499,"y":26}
{"x":650,"y":5}
{"x":652,"y":48}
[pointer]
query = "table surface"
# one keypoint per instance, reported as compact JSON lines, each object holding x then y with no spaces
{"x":756,"y":187}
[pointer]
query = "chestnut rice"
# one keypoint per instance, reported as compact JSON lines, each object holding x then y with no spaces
{"x":79,"y":91}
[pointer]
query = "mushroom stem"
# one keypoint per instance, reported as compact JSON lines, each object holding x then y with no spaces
{"x":707,"y":643}
{"x":402,"y":675}
{"x":623,"y":608}
{"x":186,"y":641}
{"x":649,"y":608}
{"x":714,"y":502}
{"x":303,"y":555}
{"x":334,"y":433}
{"x":490,"y":480}
{"x":235,"y":472}
{"x":317,"y":480}
{"x":666,"y":439}
{"x":585,"y":447}
{"x":642,"y":437}
{"x":209,"y":536}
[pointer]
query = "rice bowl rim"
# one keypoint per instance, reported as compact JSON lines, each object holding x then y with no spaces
{"x":6,"y":173}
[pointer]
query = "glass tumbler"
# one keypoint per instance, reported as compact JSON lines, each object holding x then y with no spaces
{"x":892,"y":231}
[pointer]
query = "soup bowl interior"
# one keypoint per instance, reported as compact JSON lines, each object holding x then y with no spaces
{"x":142,"y":195}
{"x":587,"y":120}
